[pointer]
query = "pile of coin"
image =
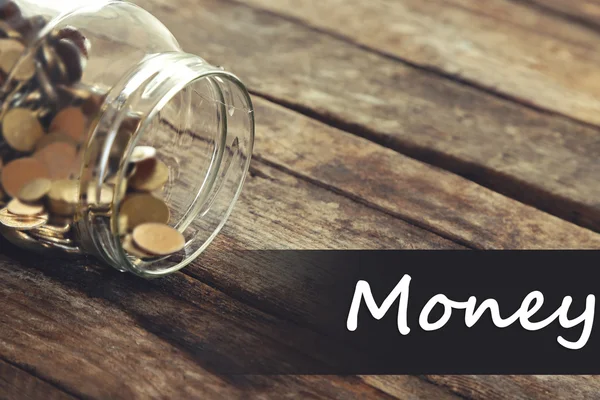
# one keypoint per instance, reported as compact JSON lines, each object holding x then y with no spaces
{"x":46,"y":113}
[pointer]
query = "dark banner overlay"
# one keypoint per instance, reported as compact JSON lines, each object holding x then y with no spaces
{"x":427,"y":312}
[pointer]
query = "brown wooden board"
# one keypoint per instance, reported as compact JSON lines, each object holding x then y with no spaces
{"x":456,"y":101}
{"x":544,"y":160}
{"x":583,"y":12}
{"x":99,"y":333}
{"x":486,"y":387}
{"x":16,"y":383}
{"x":503,"y":46}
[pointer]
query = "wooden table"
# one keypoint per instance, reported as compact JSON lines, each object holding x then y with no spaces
{"x":382,"y":124}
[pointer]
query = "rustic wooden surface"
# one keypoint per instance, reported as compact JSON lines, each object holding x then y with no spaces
{"x":381,"y":124}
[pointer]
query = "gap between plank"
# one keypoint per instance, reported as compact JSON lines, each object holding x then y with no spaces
{"x":360,"y":200}
{"x":31,"y":372}
{"x":431,"y":70}
{"x":512,"y":187}
{"x":549,"y":11}
{"x":426,"y":378}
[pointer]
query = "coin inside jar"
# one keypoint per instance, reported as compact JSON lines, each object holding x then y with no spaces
{"x":158,"y":239}
{"x":35,"y":190}
{"x":20,"y":172}
{"x":18,"y":208}
{"x":22,"y":223}
{"x":70,"y":121}
{"x":21,"y":129}
{"x":142,"y":153}
{"x":130,"y":247}
{"x":63,"y":197}
{"x":150,"y":175}
{"x":143,"y":208}
{"x":59,"y":158}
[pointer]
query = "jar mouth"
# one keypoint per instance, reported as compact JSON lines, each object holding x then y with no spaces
{"x":200,"y":120}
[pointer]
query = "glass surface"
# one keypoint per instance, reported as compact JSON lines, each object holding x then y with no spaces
{"x":145,"y":91}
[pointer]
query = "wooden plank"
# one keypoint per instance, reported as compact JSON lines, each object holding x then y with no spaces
{"x":405,"y":387}
{"x":105,"y":335}
{"x":167,"y":337}
{"x":18,"y":384}
{"x":580,"y":11}
{"x":522,"y":387}
{"x":542,"y":160}
{"x":501,"y":45}
{"x":442,"y":202}
{"x":279,"y":211}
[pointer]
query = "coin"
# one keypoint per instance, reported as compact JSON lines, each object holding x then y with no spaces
{"x":20,"y":172}
{"x":22,"y":223}
{"x":63,"y":197}
{"x":75,"y":35}
{"x":130,"y":247}
{"x":71,"y":122}
{"x":143,"y":208}
{"x":35,"y":190}
{"x":71,"y":58}
{"x":26,"y":65}
{"x":150,"y":175}
{"x":52,"y":138}
{"x":21,"y":129}
{"x":159,"y":239}
{"x":59,"y":158}
{"x":9,"y":10}
{"x":50,"y":237}
{"x":25,"y":210}
{"x":142,"y":153}
{"x":105,"y":197}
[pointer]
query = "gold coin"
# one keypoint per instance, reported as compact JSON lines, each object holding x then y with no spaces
{"x":20,"y":172}
{"x":130,"y":247}
{"x":142,"y":153}
{"x":53,"y":137}
{"x":35,"y":190}
{"x":26,"y":210}
{"x":9,"y":59}
{"x":59,"y":230}
{"x":150,"y":175}
{"x":64,"y":197}
{"x":59,"y":158}
{"x":47,"y":236}
{"x":159,"y":239}
{"x":22,"y":223}
{"x":71,"y":122}
{"x":21,"y":129}
{"x":11,"y":51}
{"x":123,"y":224}
{"x":105,"y":197}
{"x":143,"y":208}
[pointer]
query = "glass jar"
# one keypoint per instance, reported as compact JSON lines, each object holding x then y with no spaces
{"x":93,"y":92}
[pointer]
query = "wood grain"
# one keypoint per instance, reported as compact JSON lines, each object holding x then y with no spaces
{"x":522,"y":387}
{"x":105,"y":334}
{"x":439,"y":201}
{"x":586,"y":12}
{"x":545,"y":161}
{"x":102,"y":334}
{"x":18,"y":384}
{"x":500,"y":45}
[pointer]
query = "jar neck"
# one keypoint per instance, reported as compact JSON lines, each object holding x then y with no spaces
{"x":201,"y":119}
